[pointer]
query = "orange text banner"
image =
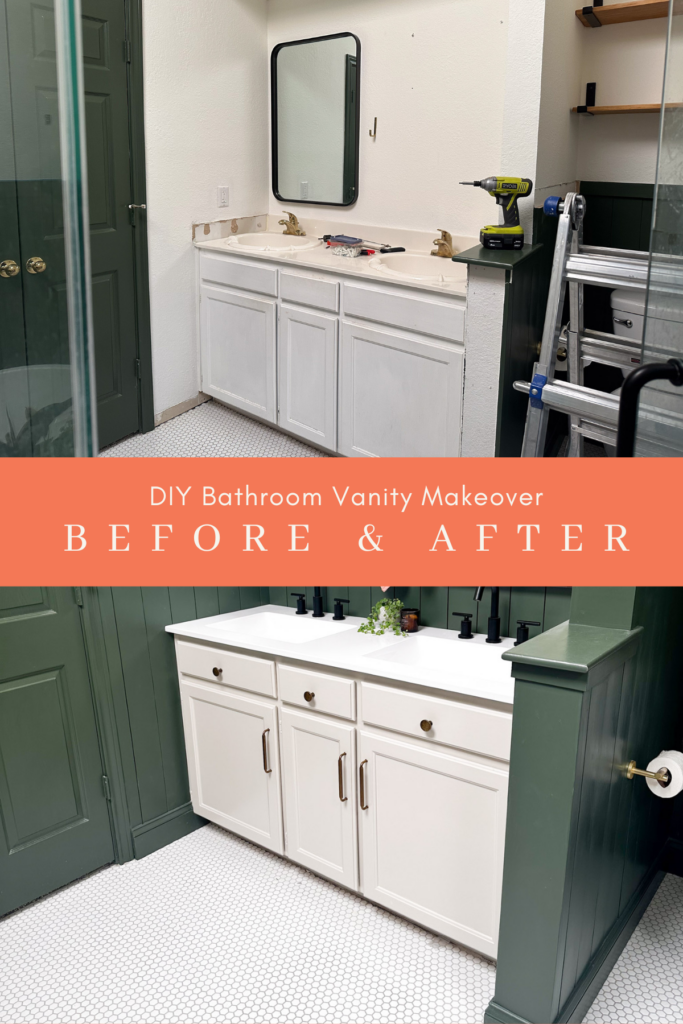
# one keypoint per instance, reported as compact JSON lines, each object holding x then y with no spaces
{"x":432,"y":522}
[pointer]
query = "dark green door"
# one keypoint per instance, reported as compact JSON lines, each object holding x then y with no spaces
{"x":54,"y":818}
{"x":33,"y":89}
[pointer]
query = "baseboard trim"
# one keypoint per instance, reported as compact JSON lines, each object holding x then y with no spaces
{"x":496,"y":1014}
{"x":153,"y":835}
{"x":178,"y":410}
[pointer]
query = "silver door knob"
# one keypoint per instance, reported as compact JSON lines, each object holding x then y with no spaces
{"x":9,"y":268}
{"x":36,"y":265}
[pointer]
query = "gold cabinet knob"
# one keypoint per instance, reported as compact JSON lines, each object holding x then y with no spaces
{"x":308,"y":696}
{"x":36,"y":265}
{"x":426,"y":725}
{"x":9,"y":268}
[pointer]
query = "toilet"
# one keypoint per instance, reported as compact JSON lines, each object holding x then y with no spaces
{"x":628,"y":313}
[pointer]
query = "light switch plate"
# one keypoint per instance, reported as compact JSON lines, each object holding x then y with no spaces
{"x":223,"y":195}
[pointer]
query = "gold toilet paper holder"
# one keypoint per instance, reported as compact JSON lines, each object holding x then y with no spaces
{"x":662,"y":776}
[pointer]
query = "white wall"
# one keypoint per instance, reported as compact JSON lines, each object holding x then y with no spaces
{"x":558,"y":128}
{"x":206,"y":124}
{"x":627,"y":63}
{"x":433,"y":73}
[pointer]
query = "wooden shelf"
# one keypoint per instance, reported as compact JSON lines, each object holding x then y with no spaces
{"x":637,"y":10}
{"x":629,"y":108}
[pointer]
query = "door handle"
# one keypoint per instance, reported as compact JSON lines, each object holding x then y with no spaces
{"x":361,"y":773}
{"x":137,"y":206}
{"x":36,"y":265}
{"x":266,"y":759}
{"x":9,"y":268}
{"x":340,"y":769}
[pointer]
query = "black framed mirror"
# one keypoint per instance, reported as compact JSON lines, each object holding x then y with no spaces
{"x":315,"y":96}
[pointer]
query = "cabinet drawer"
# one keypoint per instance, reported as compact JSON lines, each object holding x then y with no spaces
{"x":235,"y":274}
{"x":307,"y":291}
{"x":456,"y":725}
{"x":439,"y":319}
{"x":239,"y":670}
{"x":333,"y":695}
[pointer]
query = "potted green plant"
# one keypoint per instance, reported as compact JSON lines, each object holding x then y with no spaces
{"x":385,"y":617}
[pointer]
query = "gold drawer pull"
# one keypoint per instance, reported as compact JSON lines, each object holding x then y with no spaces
{"x":340,"y":769}
{"x":218,"y":672}
{"x":426,"y":725}
{"x":361,"y":773}
{"x":308,"y":696}
{"x":266,"y":762}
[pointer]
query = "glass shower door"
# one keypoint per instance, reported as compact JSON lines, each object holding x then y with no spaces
{"x":46,"y":349}
{"x":660,"y":421}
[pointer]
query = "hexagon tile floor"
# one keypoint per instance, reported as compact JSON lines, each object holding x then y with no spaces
{"x":212,"y":430}
{"x":214,"y":930}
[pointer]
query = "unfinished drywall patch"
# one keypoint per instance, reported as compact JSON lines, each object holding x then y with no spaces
{"x":558,"y":128}
{"x":206,"y":103}
{"x":433,"y":73}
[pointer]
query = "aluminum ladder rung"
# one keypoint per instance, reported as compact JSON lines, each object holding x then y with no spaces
{"x":575,"y":400}
{"x":609,"y":350}
{"x":607,"y":271}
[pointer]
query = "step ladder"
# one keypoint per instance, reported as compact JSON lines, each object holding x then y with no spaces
{"x":593,"y":414}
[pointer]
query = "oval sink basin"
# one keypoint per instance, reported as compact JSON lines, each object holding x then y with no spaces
{"x":417,"y":267}
{"x":272,"y":241}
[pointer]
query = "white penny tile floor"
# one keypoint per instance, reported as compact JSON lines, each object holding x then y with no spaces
{"x":212,"y":430}
{"x":213,"y":930}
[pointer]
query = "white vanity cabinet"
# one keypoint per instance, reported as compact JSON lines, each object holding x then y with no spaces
{"x":391,"y":791}
{"x":432,"y":837}
{"x":233,"y":761}
{"x":370,"y":369}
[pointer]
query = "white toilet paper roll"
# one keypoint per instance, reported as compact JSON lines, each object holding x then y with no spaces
{"x":672,"y":760}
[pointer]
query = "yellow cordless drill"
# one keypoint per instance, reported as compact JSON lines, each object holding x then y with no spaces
{"x":506,"y":192}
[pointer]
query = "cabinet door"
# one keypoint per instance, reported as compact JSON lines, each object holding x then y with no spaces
{"x":238,"y":351}
{"x":432,"y":838}
{"x":233,"y":762}
{"x":398,"y":397}
{"x":307,"y":369}
{"x":318,"y":769}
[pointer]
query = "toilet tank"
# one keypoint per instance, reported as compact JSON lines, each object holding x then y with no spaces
{"x":628,"y":313}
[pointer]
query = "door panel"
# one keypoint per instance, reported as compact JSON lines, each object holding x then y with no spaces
{"x":238,"y":351}
{"x":432,"y":838}
{"x":35,"y":117}
{"x":398,"y":397}
{"x":54,"y":819}
{"x":233,"y":762}
{"x":307,"y":360}
{"x":319,"y":824}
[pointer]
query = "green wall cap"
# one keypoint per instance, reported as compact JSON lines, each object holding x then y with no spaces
{"x":506,"y":259}
{"x":571,"y":647}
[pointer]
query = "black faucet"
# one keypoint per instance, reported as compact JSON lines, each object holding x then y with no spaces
{"x":339,"y":603}
{"x":494,"y":618}
{"x":523,"y":630}
{"x":465,"y":626}
{"x":300,"y":604}
{"x":318,"y":612}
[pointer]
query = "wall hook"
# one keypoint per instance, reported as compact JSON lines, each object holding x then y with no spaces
{"x":373,"y":131}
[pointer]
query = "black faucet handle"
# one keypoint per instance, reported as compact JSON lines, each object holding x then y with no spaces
{"x":300,"y":603}
{"x":338,"y":610}
{"x":465,"y":626}
{"x":523,"y":630}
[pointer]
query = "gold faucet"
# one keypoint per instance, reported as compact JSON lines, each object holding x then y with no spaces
{"x":292,"y":226}
{"x":444,"y":245}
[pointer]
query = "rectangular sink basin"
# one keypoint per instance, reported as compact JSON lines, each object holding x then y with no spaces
{"x":448,"y":657}
{"x":290,"y":629}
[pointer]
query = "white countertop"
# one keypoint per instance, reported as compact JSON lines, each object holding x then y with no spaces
{"x":321,"y":258}
{"x":434,"y":658}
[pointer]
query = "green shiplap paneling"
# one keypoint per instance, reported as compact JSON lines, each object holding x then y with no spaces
{"x":361,"y":600}
{"x":527,"y":603}
{"x":618,"y":214}
{"x":557,"y":604}
{"x":250,"y":597}
{"x":183,"y":604}
{"x":434,"y":607}
{"x":277,"y":595}
{"x":411,"y":597}
{"x":206,"y":599}
{"x":228,"y":599}
{"x":610,"y":693}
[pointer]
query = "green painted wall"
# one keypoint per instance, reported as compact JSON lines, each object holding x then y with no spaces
{"x":547,"y":605}
{"x":585,"y":847}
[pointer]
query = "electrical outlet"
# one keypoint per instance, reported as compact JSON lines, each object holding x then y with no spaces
{"x":223,"y":195}
{"x":304,"y":190}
